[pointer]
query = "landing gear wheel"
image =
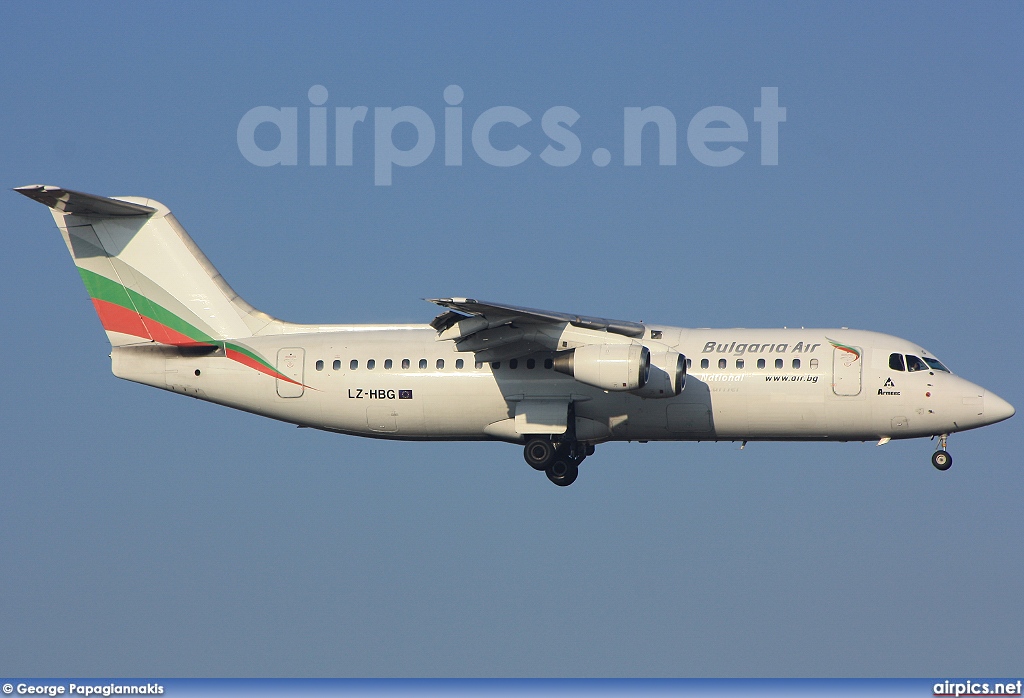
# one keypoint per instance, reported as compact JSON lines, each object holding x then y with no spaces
{"x":562,"y":472}
{"x":539,"y":453}
{"x":941,"y":460}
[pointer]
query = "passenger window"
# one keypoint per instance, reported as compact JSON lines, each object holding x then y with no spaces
{"x":778,"y":363}
{"x":548,"y":363}
{"x":739,"y":363}
{"x":459,"y":363}
{"x":387,"y":364}
{"x":689,"y":363}
{"x":513,"y":364}
{"x":915,"y":364}
{"x":760,"y":363}
{"x":319,"y":365}
{"x":530,"y":363}
{"x":722,"y":363}
{"x":353,"y":364}
{"x":495,"y":365}
{"x":896,"y":362}
{"x":704,"y":363}
{"x":406,"y":363}
{"x":370,"y":364}
{"x":796,"y":363}
{"x":337,"y":364}
{"x":814,"y":364}
{"x":439,"y":363}
{"x":478,"y":365}
{"x":423,"y":363}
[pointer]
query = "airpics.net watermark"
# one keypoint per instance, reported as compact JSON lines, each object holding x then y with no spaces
{"x":710,"y":134}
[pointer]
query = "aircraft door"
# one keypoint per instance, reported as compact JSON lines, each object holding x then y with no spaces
{"x":847,"y":363}
{"x":289,"y":364}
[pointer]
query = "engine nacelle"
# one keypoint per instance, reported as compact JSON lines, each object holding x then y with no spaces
{"x":668,"y":375}
{"x":607,"y":366}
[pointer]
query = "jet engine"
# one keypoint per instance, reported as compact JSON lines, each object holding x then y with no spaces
{"x":667,"y":377}
{"x":607,"y":366}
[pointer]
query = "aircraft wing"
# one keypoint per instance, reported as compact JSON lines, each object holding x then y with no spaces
{"x":495,"y":331}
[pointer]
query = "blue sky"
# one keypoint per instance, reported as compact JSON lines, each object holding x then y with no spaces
{"x":147,"y":534}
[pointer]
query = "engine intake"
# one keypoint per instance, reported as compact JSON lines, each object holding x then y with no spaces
{"x":668,"y":375}
{"x":615,"y":367}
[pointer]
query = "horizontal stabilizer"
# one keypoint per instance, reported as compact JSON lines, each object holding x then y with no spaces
{"x":79,"y":204}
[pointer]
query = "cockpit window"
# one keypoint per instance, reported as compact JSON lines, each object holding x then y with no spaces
{"x":915,"y":364}
{"x":896,"y":362}
{"x":936,"y":364}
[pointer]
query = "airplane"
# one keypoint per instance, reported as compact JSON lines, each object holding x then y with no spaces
{"x":557,"y":384}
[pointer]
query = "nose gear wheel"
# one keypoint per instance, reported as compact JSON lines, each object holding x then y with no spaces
{"x":941,"y":458}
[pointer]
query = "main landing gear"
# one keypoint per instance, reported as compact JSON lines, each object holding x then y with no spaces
{"x":941,"y":458}
{"x":559,"y":461}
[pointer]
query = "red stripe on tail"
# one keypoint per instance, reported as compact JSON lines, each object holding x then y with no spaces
{"x":117,"y":318}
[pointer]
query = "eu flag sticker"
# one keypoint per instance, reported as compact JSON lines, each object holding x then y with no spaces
{"x":405,"y":395}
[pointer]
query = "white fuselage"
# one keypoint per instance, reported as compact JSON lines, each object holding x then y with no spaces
{"x":742,"y":384}
{"x":557,"y":382}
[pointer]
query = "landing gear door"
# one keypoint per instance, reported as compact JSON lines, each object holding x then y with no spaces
{"x":847,"y":365}
{"x":542,"y":416}
{"x":289,"y":365}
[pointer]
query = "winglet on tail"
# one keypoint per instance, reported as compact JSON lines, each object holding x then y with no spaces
{"x":147,"y":279}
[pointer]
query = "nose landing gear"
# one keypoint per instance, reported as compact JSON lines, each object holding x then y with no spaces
{"x":941,"y":458}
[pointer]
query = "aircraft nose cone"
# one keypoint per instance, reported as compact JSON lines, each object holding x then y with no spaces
{"x":996,"y":408}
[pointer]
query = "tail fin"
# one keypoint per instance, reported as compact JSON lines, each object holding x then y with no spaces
{"x":148,"y":280}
